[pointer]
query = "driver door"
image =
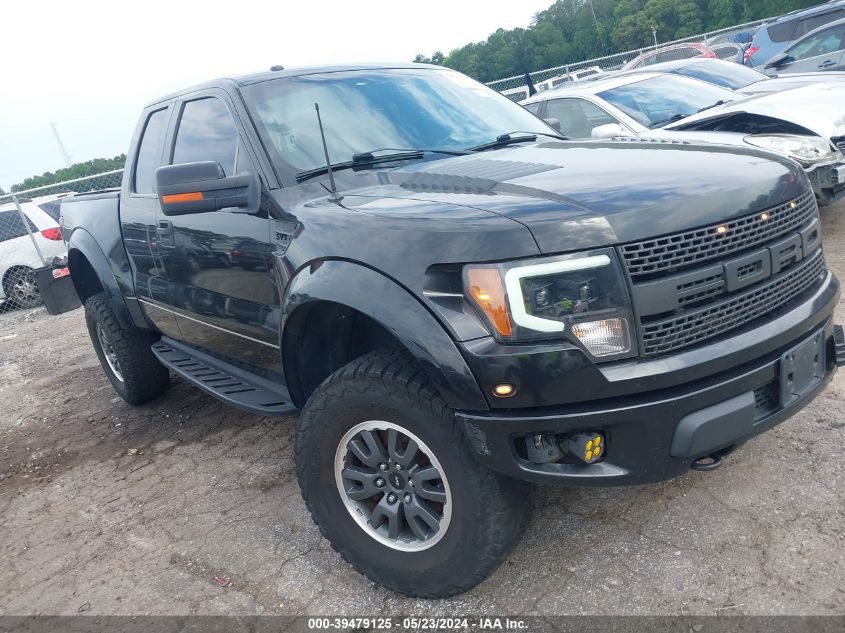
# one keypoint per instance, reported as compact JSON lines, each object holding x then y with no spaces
{"x":219,"y":264}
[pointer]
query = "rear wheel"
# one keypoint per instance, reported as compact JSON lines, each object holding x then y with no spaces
{"x":125,"y":353}
{"x":393,"y":485}
{"x":21,"y":288}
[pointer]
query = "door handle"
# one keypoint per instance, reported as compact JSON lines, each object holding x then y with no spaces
{"x":827,"y":63}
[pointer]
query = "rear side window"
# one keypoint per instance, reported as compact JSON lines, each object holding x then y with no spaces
{"x":782,"y":31}
{"x":207,"y":132}
{"x":51,"y":208}
{"x":11,"y":226}
{"x":149,"y":152}
{"x":815,"y":21}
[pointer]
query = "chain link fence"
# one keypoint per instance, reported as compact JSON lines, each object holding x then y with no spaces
{"x":720,"y":41}
{"x":30,"y":237}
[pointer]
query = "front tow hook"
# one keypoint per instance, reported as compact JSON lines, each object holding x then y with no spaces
{"x":708,"y":462}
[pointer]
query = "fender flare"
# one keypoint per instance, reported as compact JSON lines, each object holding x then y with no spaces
{"x":85,"y":244}
{"x":399,"y":312}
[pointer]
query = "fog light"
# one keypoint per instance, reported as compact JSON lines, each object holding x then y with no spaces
{"x":588,"y":447}
{"x":605,"y":337}
{"x":504,"y":390}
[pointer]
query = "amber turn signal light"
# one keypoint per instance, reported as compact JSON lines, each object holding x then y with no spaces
{"x":194,"y":196}
{"x":486,"y":288}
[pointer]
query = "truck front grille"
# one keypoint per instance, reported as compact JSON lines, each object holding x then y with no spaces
{"x":683,"y":297}
{"x":693,"y":326}
{"x":680,"y":251}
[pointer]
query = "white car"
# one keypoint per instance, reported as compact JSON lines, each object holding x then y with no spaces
{"x":804,"y":124}
{"x":520,"y":93}
{"x":18,"y":256}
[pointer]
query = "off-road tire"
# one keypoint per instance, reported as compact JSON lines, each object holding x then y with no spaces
{"x":143,"y":377}
{"x":11,"y":283}
{"x":489,"y":511}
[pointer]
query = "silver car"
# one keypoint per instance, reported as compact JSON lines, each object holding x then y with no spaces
{"x":805,"y":124}
{"x":820,"y":50}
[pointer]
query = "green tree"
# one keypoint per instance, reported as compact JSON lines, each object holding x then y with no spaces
{"x":77,"y":170}
{"x":571,"y":31}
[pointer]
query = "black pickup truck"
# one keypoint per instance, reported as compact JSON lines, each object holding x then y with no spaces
{"x":455,"y":300}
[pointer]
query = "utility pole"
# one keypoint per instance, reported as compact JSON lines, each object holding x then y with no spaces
{"x":654,"y":33}
{"x":65,"y":155}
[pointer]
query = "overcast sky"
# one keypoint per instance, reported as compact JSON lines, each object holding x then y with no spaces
{"x":89,"y":65}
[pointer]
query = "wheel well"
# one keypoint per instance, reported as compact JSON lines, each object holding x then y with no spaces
{"x":84,"y":277}
{"x":322,"y":337}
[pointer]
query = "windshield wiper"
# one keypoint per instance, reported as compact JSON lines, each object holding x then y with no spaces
{"x":370,"y":158}
{"x":713,"y":105}
{"x":671,"y":119}
{"x":509,"y":139}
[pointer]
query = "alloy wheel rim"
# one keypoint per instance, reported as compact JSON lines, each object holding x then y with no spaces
{"x":393,"y":486}
{"x":25,"y":288}
{"x":109,"y":352}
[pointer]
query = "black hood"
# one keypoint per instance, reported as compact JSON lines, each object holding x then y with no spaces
{"x":574,"y":195}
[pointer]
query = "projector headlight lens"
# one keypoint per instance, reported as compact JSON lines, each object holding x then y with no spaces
{"x":581,"y":297}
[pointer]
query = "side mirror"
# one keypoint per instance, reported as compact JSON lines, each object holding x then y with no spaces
{"x":554,"y":123}
{"x":201,"y":187}
{"x":780,"y":60}
{"x":609,"y":130}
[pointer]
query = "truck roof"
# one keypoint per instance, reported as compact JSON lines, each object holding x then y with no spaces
{"x":267,"y":75}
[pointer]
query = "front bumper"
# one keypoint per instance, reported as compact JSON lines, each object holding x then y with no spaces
{"x":653,"y":436}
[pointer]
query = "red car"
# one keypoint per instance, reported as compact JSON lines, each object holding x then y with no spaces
{"x":670,"y":54}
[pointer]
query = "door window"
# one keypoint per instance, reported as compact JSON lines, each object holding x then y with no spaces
{"x":149,"y":152}
{"x":577,"y":117}
{"x":207,"y":132}
{"x":822,"y":43}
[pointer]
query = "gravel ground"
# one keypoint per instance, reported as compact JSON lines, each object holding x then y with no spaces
{"x":184,"y":506}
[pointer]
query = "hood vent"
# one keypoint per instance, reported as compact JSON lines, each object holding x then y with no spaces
{"x":472,"y":175}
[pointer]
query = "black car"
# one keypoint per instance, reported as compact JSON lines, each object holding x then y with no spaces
{"x":455,"y":300}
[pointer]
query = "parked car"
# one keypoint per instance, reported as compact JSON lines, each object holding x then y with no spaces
{"x":516,"y":94}
{"x":574,"y":75}
{"x":523,"y":92}
{"x":18,"y":256}
{"x":822,"y":50}
{"x":670,"y":53}
{"x":804,"y":124}
{"x":775,"y":36}
{"x":478,"y":308}
{"x":741,"y":78}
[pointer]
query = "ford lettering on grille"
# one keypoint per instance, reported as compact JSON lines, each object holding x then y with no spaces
{"x":696,"y":285}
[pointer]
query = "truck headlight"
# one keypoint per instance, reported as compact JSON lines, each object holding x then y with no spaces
{"x":807,"y":150}
{"x":582,"y":297}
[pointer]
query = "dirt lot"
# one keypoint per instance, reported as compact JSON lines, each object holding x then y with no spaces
{"x":184,"y":506}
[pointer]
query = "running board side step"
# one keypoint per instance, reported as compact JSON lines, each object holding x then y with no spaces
{"x":224,"y":381}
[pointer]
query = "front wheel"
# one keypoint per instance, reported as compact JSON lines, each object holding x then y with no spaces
{"x":392,"y":484}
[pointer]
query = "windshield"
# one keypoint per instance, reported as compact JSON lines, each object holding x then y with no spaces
{"x":364,"y":110}
{"x":659,"y":100}
{"x":725,"y":74}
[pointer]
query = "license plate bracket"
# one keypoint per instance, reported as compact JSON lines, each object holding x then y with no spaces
{"x":802,"y":368}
